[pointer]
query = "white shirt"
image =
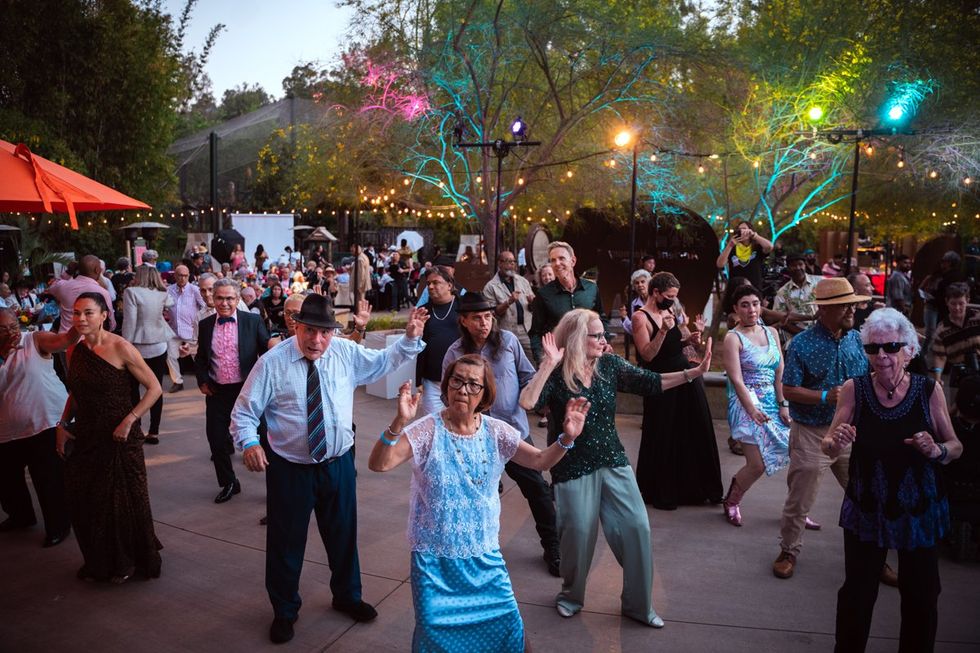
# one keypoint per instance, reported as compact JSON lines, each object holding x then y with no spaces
{"x":33,"y":395}
{"x":276,"y":388}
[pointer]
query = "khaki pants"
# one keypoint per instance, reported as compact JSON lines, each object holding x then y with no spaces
{"x":807,"y":463}
{"x":173,"y":354}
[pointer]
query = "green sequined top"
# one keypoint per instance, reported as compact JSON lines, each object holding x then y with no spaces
{"x":599,"y":445}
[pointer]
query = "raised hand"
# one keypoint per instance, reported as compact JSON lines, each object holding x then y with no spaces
{"x":416,"y":322}
{"x":706,"y":361}
{"x":668,"y":321}
{"x":363,"y":314}
{"x":407,"y":404}
{"x":552,"y":353}
{"x":576,"y":411}
{"x":699,"y":322}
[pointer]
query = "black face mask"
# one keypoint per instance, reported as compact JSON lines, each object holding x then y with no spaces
{"x":664,"y":304}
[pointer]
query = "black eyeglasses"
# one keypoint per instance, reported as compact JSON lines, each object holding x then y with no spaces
{"x":472,"y":387}
{"x":872,"y":348}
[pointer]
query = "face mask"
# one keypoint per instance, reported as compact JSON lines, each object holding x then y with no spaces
{"x":664,"y":304}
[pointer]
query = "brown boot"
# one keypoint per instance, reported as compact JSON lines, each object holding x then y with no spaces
{"x":784,"y":564}
{"x":730,"y":504}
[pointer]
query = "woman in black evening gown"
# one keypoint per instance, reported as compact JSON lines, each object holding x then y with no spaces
{"x":105,"y":474}
{"x":678,"y":459}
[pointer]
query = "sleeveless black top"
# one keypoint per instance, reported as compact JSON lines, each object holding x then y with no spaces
{"x":895,"y":496}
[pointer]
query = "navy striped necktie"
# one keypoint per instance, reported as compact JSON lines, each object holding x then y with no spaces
{"x":314,"y":413}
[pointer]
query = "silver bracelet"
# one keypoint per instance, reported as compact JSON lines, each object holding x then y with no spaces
{"x":564,"y":446}
{"x":687,"y":377}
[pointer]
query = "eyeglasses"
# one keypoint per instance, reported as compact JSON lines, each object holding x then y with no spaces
{"x":472,"y":387}
{"x":599,"y":337}
{"x":872,"y":348}
{"x":290,"y":314}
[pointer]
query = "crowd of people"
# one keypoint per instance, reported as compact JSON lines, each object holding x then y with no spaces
{"x":820,"y":376}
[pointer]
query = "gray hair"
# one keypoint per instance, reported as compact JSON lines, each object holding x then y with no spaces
{"x":888,"y":319}
{"x":639,"y":274}
{"x":228,"y":283}
{"x":206,"y":276}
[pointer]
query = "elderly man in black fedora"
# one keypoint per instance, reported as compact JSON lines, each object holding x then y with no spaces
{"x":481,"y":334}
{"x":304,"y":388}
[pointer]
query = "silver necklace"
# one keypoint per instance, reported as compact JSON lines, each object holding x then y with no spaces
{"x":448,"y":311}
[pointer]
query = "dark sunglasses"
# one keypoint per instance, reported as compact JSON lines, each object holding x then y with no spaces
{"x":890,"y":347}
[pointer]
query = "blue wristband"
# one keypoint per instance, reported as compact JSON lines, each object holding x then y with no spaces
{"x":823,"y":397}
{"x":564,"y":446}
{"x":386,"y":441}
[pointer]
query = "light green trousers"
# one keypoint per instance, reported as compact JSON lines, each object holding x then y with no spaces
{"x":610,"y":496}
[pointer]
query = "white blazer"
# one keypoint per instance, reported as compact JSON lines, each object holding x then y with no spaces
{"x":143,"y":322}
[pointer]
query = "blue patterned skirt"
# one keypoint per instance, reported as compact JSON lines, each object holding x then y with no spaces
{"x":465,"y":605}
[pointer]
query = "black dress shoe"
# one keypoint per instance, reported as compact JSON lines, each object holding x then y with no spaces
{"x":228,"y":491}
{"x":359,"y":611}
{"x":264,"y":520}
{"x":151,"y":438}
{"x":553,"y":560}
{"x":281,"y":630}
{"x":11,"y":524}
{"x":56,"y":539}
{"x":177,"y":387}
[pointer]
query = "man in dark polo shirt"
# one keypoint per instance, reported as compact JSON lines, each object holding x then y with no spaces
{"x":565,"y":293}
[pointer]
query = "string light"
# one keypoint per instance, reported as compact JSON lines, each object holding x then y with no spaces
{"x":653,"y":157}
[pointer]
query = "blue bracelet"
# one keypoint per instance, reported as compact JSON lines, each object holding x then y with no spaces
{"x":823,"y":397}
{"x":564,"y":446}
{"x":386,"y":441}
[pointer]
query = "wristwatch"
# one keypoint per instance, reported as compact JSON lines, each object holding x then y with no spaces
{"x":784,"y":404}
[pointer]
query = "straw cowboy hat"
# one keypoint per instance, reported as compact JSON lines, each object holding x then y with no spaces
{"x":836,"y":290}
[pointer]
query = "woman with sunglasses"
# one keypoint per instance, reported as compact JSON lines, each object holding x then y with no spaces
{"x":595,"y":478}
{"x":901,"y":432}
{"x":460,"y":586}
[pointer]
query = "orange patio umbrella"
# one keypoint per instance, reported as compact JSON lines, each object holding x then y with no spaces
{"x":32,"y":184}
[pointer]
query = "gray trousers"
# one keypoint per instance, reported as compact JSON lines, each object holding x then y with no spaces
{"x":610,"y":496}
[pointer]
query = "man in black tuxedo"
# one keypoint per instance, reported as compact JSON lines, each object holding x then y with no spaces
{"x":229,"y":343}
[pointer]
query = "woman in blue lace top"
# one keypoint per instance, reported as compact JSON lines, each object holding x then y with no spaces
{"x":460,"y":587}
{"x":895,"y":499}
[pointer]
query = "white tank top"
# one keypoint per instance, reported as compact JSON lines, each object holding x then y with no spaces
{"x":33,"y":395}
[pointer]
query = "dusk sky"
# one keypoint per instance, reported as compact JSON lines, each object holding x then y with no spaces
{"x":264,"y":39}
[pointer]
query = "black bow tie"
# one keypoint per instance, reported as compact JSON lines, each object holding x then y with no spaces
{"x":225,"y":320}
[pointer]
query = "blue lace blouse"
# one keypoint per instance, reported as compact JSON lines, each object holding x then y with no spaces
{"x":454,"y":510}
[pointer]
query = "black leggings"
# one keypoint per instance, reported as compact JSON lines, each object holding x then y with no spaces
{"x":158,"y":365}
{"x":918,"y":585}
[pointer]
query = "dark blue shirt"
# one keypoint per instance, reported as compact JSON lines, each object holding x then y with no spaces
{"x":816,"y":360}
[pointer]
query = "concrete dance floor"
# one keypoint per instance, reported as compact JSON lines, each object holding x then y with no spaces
{"x":713,"y":583}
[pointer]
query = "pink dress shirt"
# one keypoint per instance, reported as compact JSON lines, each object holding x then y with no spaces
{"x":225,"y":367}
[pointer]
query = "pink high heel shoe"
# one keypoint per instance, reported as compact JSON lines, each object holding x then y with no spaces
{"x":730,"y":504}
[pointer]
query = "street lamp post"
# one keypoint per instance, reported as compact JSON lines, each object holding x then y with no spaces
{"x":500,"y":149}
{"x":623,"y":139}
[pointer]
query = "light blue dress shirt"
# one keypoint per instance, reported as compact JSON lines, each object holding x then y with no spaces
{"x":276,"y":389}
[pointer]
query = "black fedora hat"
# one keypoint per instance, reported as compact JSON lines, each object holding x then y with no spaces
{"x":473,"y":302}
{"x":317,"y":312}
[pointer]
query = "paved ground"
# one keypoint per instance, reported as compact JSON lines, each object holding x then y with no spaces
{"x":713,"y":584}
